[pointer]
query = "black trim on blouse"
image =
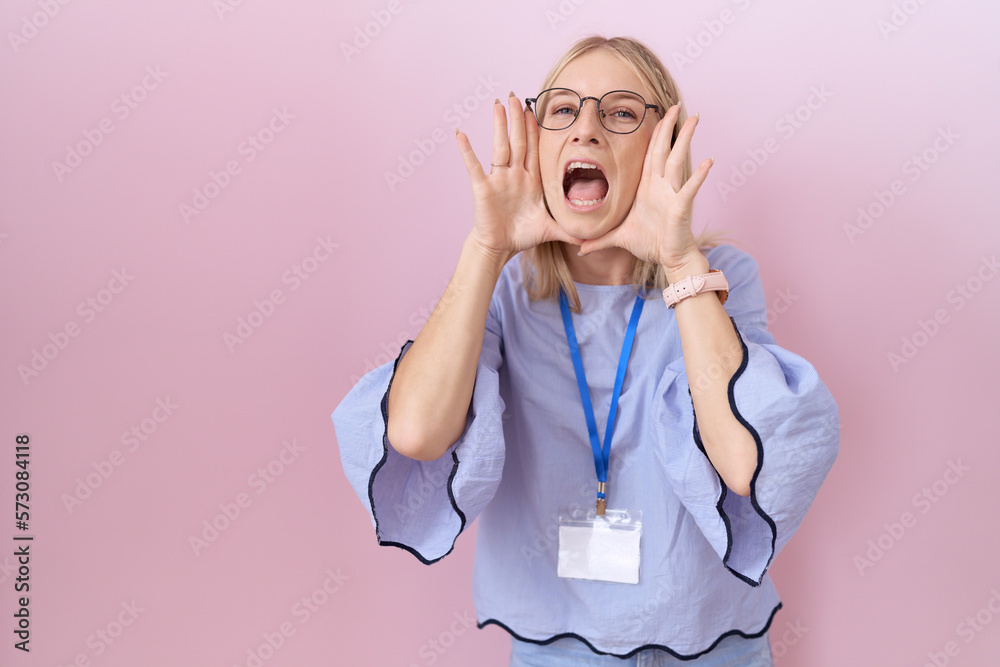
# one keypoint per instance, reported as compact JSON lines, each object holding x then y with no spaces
{"x":644,"y":647}
{"x":756,"y":472}
{"x":385,"y":457}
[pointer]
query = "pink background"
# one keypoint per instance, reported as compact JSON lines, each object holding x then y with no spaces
{"x":844,"y":300}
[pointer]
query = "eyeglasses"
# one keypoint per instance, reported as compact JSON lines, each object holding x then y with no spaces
{"x":620,"y":111}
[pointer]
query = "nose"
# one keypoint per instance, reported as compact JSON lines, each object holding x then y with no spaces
{"x":587,"y":126}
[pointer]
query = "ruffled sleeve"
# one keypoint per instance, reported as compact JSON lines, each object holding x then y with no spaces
{"x":422,"y":506}
{"x":779,"y":397}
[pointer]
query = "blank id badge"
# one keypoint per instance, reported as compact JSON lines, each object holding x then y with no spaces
{"x":599,"y":547}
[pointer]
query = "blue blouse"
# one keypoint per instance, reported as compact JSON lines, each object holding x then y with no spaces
{"x":525,"y":453}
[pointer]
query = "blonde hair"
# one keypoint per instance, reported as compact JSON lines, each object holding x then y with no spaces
{"x":544,"y":266}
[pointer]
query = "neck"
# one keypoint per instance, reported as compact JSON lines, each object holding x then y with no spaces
{"x":610,"y":266}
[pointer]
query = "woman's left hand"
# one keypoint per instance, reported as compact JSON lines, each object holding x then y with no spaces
{"x":658,"y":227}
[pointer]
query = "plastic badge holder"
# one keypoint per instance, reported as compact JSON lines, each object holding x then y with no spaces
{"x":600,"y":548}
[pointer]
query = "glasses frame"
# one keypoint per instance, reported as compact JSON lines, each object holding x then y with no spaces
{"x":601,"y":115}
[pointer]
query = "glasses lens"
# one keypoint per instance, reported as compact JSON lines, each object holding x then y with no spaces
{"x":622,"y":111}
{"x":556,"y":109}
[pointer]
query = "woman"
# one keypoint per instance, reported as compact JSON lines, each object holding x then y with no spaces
{"x":500,"y":408}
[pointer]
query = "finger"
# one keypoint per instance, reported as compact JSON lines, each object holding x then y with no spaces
{"x":501,"y":146}
{"x":472,"y":165}
{"x":647,"y":162}
{"x":675,"y":161}
{"x":556,"y":233}
{"x":691,"y":188}
{"x":553,"y":232}
{"x":609,"y":240}
{"x":517,"y":138}
{"x":661,"y":149}
{"x":531,"y":141}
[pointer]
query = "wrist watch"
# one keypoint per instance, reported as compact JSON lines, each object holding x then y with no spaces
{"x":706,"y":282}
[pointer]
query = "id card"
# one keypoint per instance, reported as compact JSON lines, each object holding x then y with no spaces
{"x":600,"y":547}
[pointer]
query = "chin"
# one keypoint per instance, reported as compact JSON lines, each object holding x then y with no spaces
{"x":583,"y":224}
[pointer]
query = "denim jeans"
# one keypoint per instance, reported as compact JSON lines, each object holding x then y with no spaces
{"x":733,"y":651}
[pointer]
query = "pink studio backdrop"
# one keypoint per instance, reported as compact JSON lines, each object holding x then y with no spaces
{"x":170,"y":169}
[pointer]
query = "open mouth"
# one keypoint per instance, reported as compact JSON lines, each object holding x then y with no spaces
{"x":584,"y":185}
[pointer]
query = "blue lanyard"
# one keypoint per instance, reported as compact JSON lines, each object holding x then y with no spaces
{"x":601,"y":455}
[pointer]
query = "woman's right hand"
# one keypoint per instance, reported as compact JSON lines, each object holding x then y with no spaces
{"x":510,"y":214}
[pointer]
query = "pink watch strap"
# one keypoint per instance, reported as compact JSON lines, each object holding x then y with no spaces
{"x":706,"y":282}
